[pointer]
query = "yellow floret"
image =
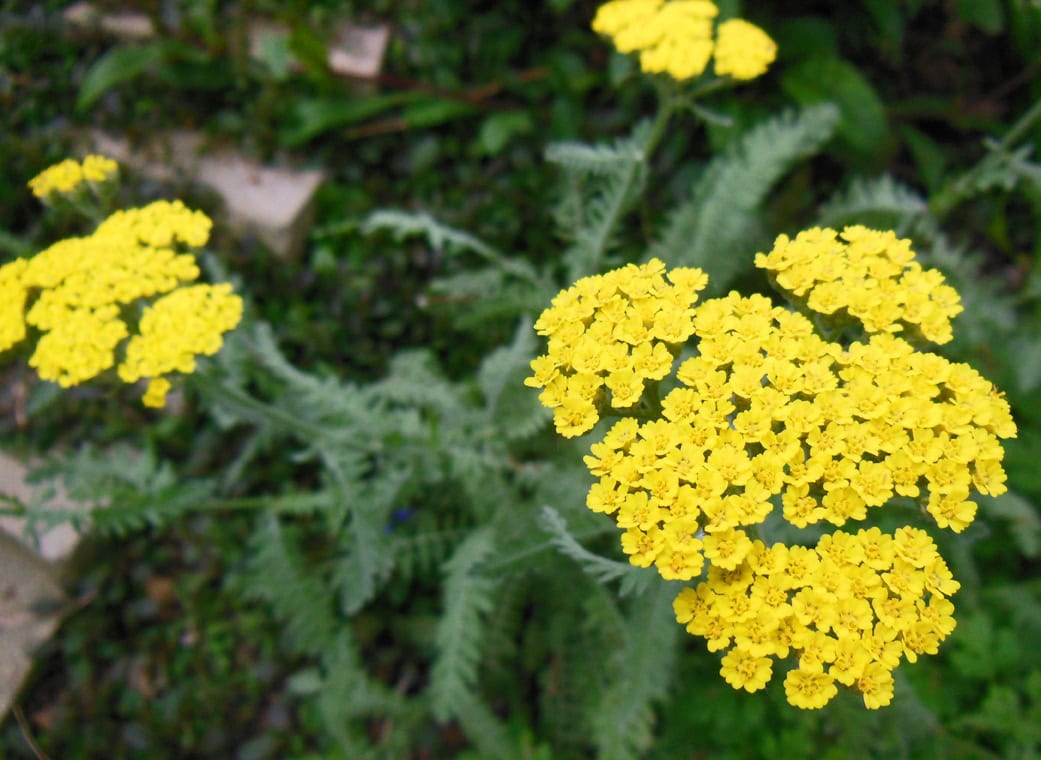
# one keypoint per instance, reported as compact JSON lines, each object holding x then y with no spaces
{"x":743,"y":50}
{"x":67,"y":176}
{"x":187,"y":323}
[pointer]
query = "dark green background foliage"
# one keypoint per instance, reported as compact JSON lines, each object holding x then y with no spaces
{"x":359,"y":537}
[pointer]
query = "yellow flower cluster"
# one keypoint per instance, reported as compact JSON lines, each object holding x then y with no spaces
{"x":848,"y":610}
{"x":68,"y":175}
{"x":186,"y":323}
{"x":83,"y":291}
{"x":676,"y":38}
{"x":12,"y":304}
{"x":768,"y":415}
{"x":159,"y":224}
{"x":870,"y":275}
{"x":743,"y":50}
{"x":615,"y":331}
{"x":770,"y":409}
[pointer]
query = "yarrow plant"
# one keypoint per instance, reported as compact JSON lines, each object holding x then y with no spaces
{"x":70,"y":175}
{"x":677,"y":38}
{"x":83,"y":296}
{"x":767,"y":413}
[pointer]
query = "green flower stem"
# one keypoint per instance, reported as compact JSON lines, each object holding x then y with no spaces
{"x":505,"y":263}
{"x":289,"y":503}
{"x":256,"y":410}
{"x":956,"y":191}
{"x":545,"y":546}
{"x":689,"y":101}
{"x":666,"y":107}
{"x":711,"y":85}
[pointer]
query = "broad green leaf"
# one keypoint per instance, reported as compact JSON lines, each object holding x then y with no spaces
{"x":117,"y":66}
{"x":985,"y":15}
{"x":806,"y":37}
{"x":499,"y":128}
{"x":889,"y":20}
{"x":863,"y":117}
{"x":309,"y":49}
{"x":930,"y":157}
{"x":313,"y":116}
{"x":194,"y":74}
{"x":432,"y":113}
{"x":1024,"y":26}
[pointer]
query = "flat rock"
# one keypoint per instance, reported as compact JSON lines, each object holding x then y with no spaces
{"x":354,"y":50}
{"x":31,"y":600}
{"x":31,"y":604}
{"x":124,"y":24}
{"x":273,"y":203}
{"x":55,"y":545}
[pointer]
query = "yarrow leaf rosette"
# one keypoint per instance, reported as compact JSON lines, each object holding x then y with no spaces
{"x":677,"y":38}
{"x":85,"y":294}
{"x":766,"y":415}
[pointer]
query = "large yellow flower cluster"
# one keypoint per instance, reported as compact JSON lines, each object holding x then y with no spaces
{"x":870,"y":275}
{"x":69,"y":175}
{"x":770,"y":409}
{"x":85,"y":293}
{"x":676,"y":38}
{"x":769,"y":416}
{"x":618,"y":331}
{"x":848,"y":610}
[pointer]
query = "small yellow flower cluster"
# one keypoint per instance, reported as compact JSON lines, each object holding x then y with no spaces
{"x":159,"y":224}
{"x":188,"y":322}
{"x":82,"y":291}
{"x":767,"y":415}
{"x":618,"y":331}
{"x":743,"y":50}
{"x":848,"y":609}
{"x":69,"y":175}
{"x":870,"y":275}
{"x":676,"y":38}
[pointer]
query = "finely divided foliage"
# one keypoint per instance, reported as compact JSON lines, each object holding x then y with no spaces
{"x":721,"y":220}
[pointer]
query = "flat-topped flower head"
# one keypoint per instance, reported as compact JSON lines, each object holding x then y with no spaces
{"x":869,"y":275}
{"x":766,"y":415}
{"x":189,"y":322}
{"x":743,"y":50}
{"x":610,"y":335}
{"x":69,"y":175}
{"x":159,"y":224}
{"x":676,"y":38}
{"x":13,"y":295}
{"x":848,"y":615}
{"x":83,"y":296}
